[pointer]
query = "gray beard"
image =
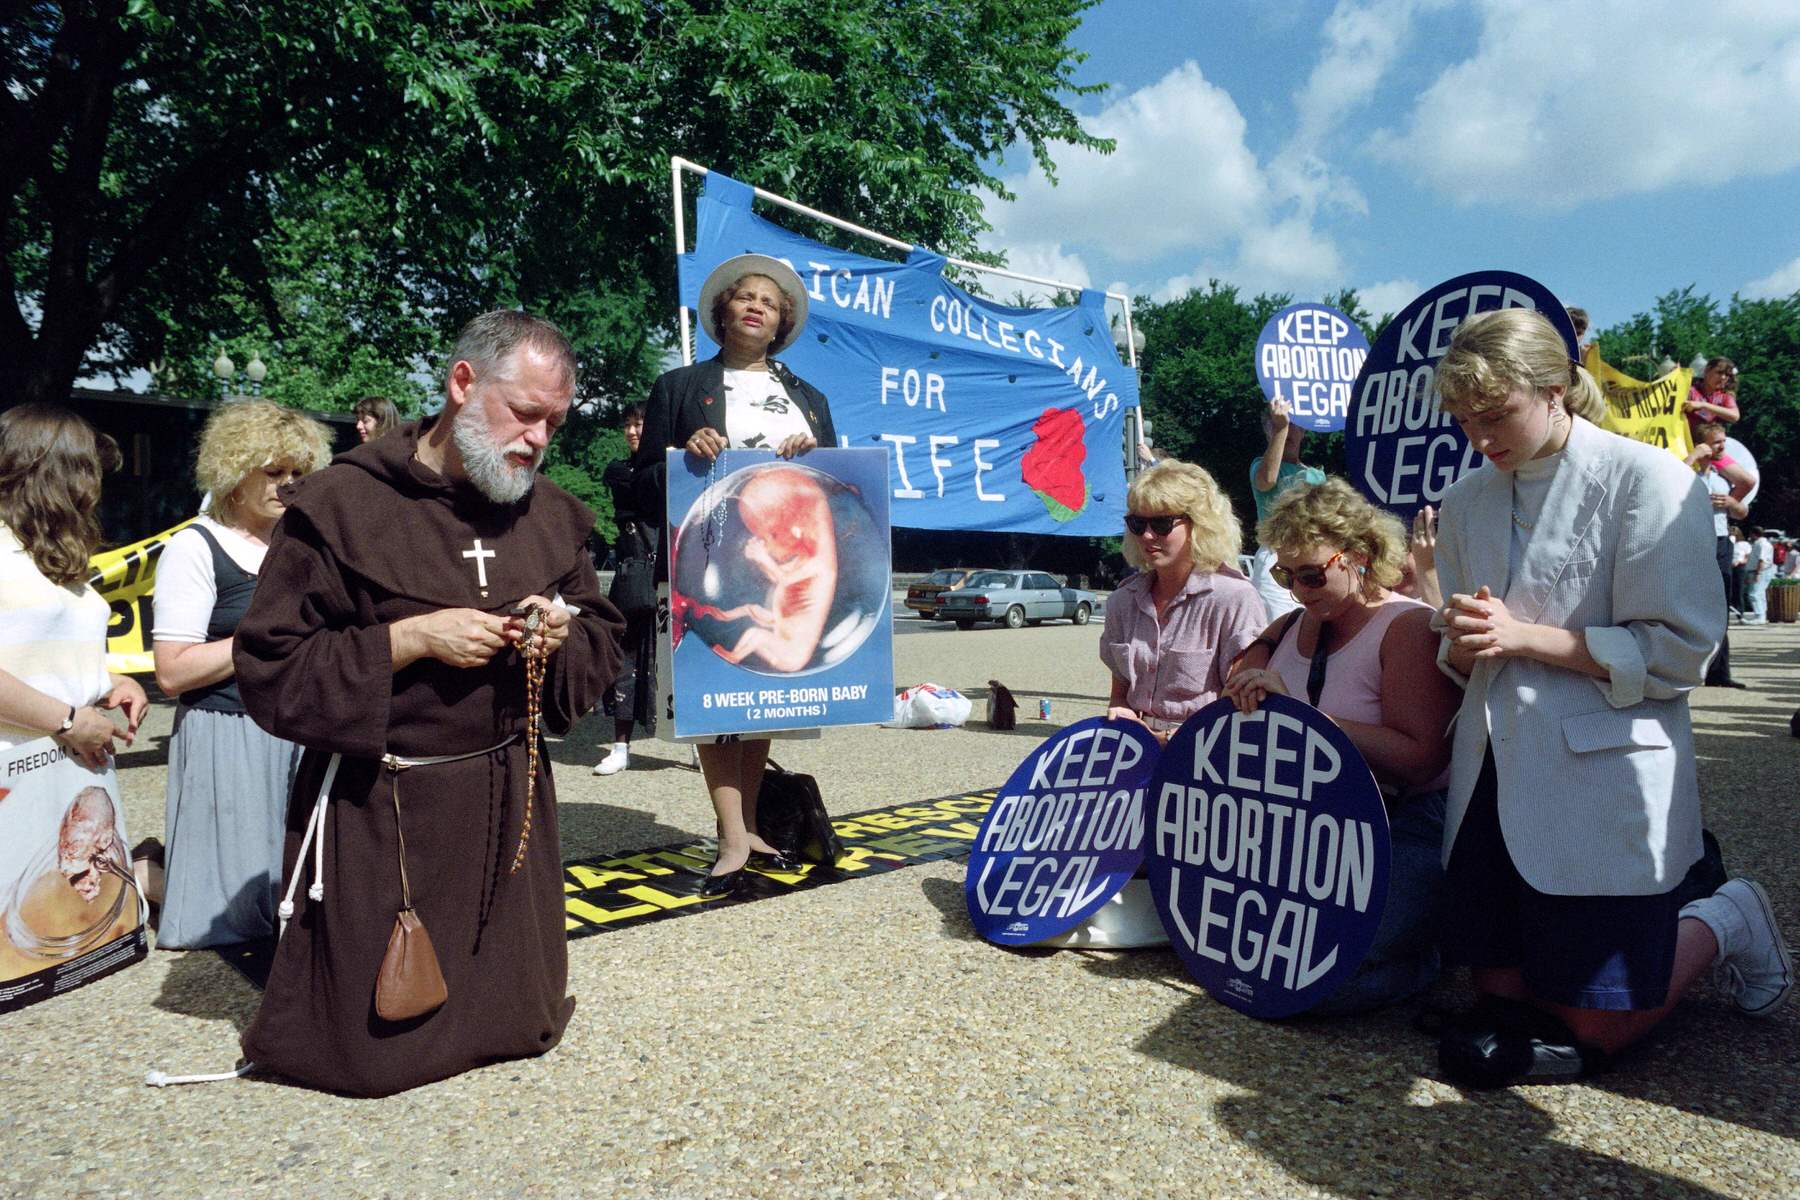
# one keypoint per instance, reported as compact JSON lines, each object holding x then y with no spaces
{"x":484,"y":459}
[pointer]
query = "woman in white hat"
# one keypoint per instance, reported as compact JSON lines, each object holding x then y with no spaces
{"x":753,"y":307}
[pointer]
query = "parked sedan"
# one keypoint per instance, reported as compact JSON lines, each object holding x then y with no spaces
{"x":922,"y":596}
{"x":1016,"y":598}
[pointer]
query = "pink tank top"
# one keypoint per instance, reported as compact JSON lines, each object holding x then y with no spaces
{"x":1352,"y":689}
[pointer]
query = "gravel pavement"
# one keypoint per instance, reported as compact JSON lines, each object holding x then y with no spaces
{"x":858,"y":1040}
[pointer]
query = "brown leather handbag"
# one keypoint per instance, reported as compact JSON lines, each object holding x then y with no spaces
{"x":410,"y":983}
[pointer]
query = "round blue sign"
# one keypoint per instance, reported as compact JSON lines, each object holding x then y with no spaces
{"x":1399,"y":449}
{"x":1065,"y":833}
{"x":1310,"y":355}
{"x":1268,"y":855}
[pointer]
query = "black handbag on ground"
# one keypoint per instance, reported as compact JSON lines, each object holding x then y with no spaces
{"x":791,"y":816}
{"x":1002,"y":707}
{"x":633,"y":590}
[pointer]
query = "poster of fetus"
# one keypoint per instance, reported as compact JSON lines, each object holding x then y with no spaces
{"x":779,"y":591}
{"x":70,"y":911}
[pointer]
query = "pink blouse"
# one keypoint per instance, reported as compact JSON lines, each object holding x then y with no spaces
{"x":1175,"y":667}
{"x":1352,"y":690}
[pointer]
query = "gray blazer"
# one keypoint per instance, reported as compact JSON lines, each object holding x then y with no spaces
{"x":1597,"y":795}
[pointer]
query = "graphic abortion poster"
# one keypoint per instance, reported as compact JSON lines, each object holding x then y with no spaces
{"x":1268,"y":855}
{"x":997,"y":418}
{"x":69,"y":909}
{"x":1310,"y":355}
{"x":779,"y":601}
{"x":1064,"y":834}
{"x":1400,"y":450}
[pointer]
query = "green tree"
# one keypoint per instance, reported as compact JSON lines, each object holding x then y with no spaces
{"x":348,"y":182}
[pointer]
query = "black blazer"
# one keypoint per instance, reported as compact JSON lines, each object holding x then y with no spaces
{"x":690,"y":398}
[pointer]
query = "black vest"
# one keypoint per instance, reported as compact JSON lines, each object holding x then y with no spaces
{"x":235,"y":587}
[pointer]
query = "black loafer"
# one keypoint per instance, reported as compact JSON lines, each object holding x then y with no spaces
{"x":720,"y":885}
{"x":774,"y":862}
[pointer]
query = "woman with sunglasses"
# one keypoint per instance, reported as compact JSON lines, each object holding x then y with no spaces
{"x":1581,"y":610}
{"x":1365,"y":656}
{"x":1173,"y":629}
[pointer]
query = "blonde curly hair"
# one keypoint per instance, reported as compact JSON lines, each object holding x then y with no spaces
{"x":1491,"y":353}
{"x":248,"y":435}
{"x":1215,"y":537}
{"x":1335,"y":514}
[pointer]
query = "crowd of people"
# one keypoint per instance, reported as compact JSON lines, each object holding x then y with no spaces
{"x":361,"y":703}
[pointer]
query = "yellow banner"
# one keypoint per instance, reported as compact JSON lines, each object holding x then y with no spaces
{"x":127,"y":578}
{"x":1646,"y":412}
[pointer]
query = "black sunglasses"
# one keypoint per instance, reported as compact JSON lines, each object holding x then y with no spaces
{"x":1312,"y":577}
{"x":1162,"y":526}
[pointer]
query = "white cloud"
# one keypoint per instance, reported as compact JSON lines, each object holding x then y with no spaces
{"x":1561,"y":104}
{"x":1181,"y":176}
{"x":1361,"y":43}
{"x":1388,"y":296}
{"x":1778,"y":284}
{"x":1046,"y":260}
{"x":1182,"y":184}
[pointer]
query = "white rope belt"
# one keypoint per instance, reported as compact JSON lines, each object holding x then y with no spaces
{"x":315,"y":824}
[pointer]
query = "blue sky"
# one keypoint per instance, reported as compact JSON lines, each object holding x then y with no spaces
{"x":1612,"y":150}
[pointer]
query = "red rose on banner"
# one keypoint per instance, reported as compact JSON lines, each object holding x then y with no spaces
{"x":1052,"y":467}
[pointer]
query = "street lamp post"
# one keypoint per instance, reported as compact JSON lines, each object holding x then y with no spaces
{"x":255,"y":371}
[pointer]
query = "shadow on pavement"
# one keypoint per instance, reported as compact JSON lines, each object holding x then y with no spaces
{"x":215,"y":985}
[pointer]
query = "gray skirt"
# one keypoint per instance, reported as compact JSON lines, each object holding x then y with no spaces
{"x":223,"y":830}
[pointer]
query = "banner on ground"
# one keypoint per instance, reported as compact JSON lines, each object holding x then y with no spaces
{"x":1400,"y":450}
{"x":126,"y":577}
{"x":1310,"y":355}
{"x":618,"y":891}
{"x":779,"y":591}
{"x":69,"y":910}
{"x":997,"y":418}
{"x":1646,"y":412}
{"x":1268,"y":855}
{"x":1066,"y":833}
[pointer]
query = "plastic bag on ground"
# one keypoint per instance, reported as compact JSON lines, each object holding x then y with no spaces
{"x":930,"y":706}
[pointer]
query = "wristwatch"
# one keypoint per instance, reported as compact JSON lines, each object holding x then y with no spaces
{"x":68,"y":722}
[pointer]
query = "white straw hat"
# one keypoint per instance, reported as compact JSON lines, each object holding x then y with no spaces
{"x":734,"y":269}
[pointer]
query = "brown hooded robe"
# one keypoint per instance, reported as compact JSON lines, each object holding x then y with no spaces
{"x":373,"y":538}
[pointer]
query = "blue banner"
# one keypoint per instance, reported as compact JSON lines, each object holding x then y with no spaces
{"x":1268,"y":856}
{"x":996,"y":418}
{"x":1064,"y":834}
{"x":1400,"y":450}
{"x":779,"y":601}
{"x":1309,"y":355}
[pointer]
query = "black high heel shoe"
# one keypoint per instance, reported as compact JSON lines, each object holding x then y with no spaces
{"x":764,"y":861}
{"x":720,"y":885}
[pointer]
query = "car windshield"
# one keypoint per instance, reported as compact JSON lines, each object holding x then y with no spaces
{"x":943,"y":577}
{"x":991,"y":579}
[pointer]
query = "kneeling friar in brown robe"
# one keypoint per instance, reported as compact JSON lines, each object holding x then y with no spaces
{"x":383,"y":635}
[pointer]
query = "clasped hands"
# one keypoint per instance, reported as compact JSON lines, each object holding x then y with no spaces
{"x":1481,"y":626}
{"x":707,"y":442}
{"x":468,"y":637}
